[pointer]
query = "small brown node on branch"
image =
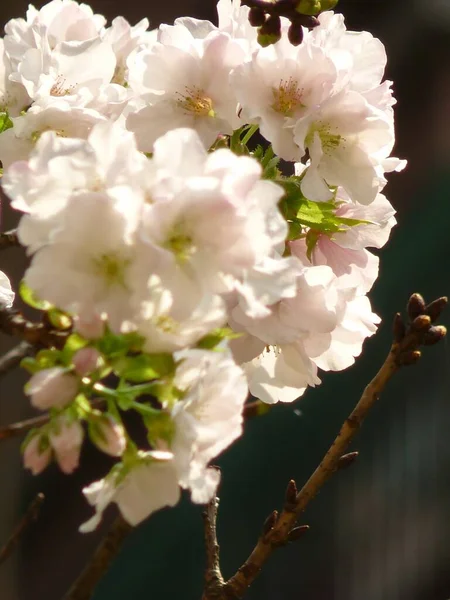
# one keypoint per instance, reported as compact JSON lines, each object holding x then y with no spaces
{"x":416,"y":306}
{"x":399,"y":328}
{"x":421,"y":323}
{"x":291,"y":496}
{"x":435,"y":308}
{"x":347,"y":460}
{"x":297,"y":533}
{"x":411,"y":357}
{"x":270,"y":522}
{"x":434,"y":335}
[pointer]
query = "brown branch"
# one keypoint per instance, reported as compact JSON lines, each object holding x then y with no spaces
{"x":22,"y":427}
{"x":12,"y":322}
{"x":213,"y":577}
{"x":9,"y":239}
{"x":12,"y":359}
{"x":280,"y":529}
{"x":84,"y":586}
{"x":29,"y":517}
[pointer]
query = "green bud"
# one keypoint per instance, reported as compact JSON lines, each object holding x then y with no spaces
{"x":309,"y":7}
{"x":159,"y":427}
{"x":328,"y":4}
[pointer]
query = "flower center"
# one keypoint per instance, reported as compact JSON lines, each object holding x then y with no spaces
{"x":196,"y":102}
{"x":287,"y":97}
{"x":111,"y":268}
{"x":166,"y":323}
{"x":180,"y":243}
{"x":59,"y":88}
{"x":328,"y":136}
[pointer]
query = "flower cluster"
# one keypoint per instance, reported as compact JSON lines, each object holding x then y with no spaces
{"x":186,"y":268}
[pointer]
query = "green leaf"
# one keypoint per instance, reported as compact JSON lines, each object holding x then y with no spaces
{"x":144,"y":367}
{"x":30,"y":298}
{"x":30,"y":364}
{"x":5,"y":122}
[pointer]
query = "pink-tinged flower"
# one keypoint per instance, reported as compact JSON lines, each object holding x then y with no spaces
{"x":208,"y":418}
{"x":86,"y":361}
{"x":138,"y":490}
{"x":108,"y":435}
{"x":185,"y":85}
{"x":37,"y":454}
{"x":52,"y":388}
{"x":66,"y":439}
{"x":91,"y":327}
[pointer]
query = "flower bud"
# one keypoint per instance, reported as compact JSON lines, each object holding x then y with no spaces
{"x":86,"y":360}
{"x":309,"y":7}
{"x":66,"y":440}
{"x":256,"y":16}
{"x":295,"y":34}
{"x":416,"y":306}
{"x":51,"y":388}
{"x":91,"y":328}
{"x":37,"y":454}
{"x":108,"y":435}
{"x":270,"y":32}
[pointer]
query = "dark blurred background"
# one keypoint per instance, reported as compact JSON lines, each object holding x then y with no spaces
{"x":379,"y":531}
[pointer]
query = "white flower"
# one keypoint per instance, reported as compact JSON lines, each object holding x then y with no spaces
{"x":13,"y":96}
{"x":338,"y":349}
{"x":346,"y":139}
{"x":86,"y":267}
{"x":60,"y":168}
{"x":73,"y":71}
{"x":6,"y":293}
{"x":150,"y":484}
{"x":18,"y":142}
{"x":194,"y":193}
{"x":359,"y":56}
{"x":185,"y":85}
{"x":124,"y":39}
{"x":56,"y":22}
{"x":208,"y":418}
{"x":281,"y":85}
{"x":173,"y":314}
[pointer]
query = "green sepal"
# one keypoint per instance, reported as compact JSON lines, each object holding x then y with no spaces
{"x":159,"y":427}
{"x":114,"y":346}
{"x":59,"y":319}
{"x":30,"y":298}
{"x":144,"y":367}
{"x":73,"y":343}
{"x":5,"y":122}
{"x":216,"y":336}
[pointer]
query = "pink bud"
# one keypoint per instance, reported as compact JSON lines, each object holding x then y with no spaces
{"x":37,"y":454}
{"x":91,"y":327}
{"x":108,"y":435}
{"x":66,"y":440}
{"x":52,"y":387}
{"x":86,"y":360}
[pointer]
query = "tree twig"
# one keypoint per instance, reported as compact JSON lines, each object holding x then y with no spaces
{"x":9,"y":239}
{"x":12,"y":322}
{"x":29,"y":517}
{"x":280,"y":529}
{"x":213,"y":576}
{"x":84,"y":586}
{"x":22,"y":427}
{"x":12,"y":359}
